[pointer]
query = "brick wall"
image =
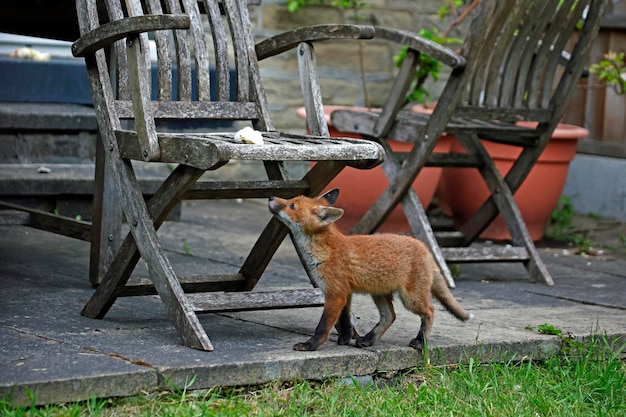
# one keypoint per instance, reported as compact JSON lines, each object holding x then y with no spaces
{"x":338,"y":61}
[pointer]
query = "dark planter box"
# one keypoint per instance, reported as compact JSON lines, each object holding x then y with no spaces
{"x":47,"y":119}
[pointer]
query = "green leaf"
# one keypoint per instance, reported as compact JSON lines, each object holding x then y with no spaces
{"x":549,"y":329}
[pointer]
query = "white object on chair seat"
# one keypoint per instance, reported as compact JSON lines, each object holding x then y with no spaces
{"x":249,"y":135}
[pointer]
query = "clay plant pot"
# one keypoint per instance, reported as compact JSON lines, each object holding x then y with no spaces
{"x":361,"y":188}
{"x":462,"y":191}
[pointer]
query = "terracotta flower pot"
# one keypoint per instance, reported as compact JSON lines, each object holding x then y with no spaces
{"x":361,"y":188}
{"x":461,"y":191}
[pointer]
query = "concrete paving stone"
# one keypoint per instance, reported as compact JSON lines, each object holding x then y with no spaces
{"x":255,"y":367}
{"x":48,"y":347}
{"x":55,"y":371}
{"x":593,"y":289}
{"x":588,"y":265}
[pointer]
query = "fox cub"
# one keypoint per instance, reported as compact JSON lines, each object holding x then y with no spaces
{"x":379,"y":264}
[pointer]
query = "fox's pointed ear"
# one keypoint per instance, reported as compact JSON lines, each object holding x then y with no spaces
{"x":328,"y":215}
{"x":331,"y":196}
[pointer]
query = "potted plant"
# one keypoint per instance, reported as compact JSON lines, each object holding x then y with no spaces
{"x":462,"y":191}
{"x":611,"y":70}
{"x":610,"y":124}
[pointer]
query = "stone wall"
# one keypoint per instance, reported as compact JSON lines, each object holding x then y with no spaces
{"x":338,"y":61}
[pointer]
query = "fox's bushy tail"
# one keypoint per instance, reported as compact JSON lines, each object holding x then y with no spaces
{"x":442,"y":293}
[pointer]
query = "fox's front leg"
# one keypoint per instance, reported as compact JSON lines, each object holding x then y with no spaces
{"x":344,"y":325}
{"x":333,"y":307}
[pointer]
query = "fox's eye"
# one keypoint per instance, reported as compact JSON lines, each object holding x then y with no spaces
{"x":292,"y":206}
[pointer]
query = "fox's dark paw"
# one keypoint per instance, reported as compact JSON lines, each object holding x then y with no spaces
{"x":416,"y":344}
{"x":306,"y":346}
{"x":365,"y":341}
{"x":344,"y":339}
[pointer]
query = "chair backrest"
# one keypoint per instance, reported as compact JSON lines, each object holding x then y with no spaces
{"x":516,"y":55}
{"x":122,"y":77}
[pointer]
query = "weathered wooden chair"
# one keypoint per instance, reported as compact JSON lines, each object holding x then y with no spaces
{"x":513,"y":53}
{"x":115,"y":45}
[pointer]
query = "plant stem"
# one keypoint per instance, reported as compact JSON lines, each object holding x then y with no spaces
{"x":460,"y":18}
{"x":366,"y":98}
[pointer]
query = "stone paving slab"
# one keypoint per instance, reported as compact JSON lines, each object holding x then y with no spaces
{"x":47,"y":347}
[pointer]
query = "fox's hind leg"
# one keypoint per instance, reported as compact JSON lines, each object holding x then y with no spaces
{"x":423,"y":307}
{"x":384,"y":303}
{"x":422,"y":335}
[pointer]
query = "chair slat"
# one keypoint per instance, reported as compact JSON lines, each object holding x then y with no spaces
{"x":194,"y":284}
{"x":257,"y":94}
{"x":495,"y":73}
{"x":87,"y":12}
{"x":480,"y":50}
{"x":545,"y":44}
{"x":247,"y":189}
{"x":164,"y":71}
{"x":192,"y":110}
{"x":221,"y":50}
{"x":529,"y":61}
{"x":201,"y":56}
{"x":491,"y":254}
{"x":210,"y":151}
{"x":118,"y":63}
{"x":242,"y":61}
{"x":517,"y":52}
{"x":183,"y":55}
{"x":563,"y":36}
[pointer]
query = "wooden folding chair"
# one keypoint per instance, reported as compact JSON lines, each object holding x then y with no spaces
{"x":518,"y":68}
{"x":115,"y":44}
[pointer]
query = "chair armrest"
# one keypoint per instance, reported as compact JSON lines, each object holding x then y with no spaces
{"x":111,"y":32}
{"x":439,"y":52}
{"x":288,"y":40}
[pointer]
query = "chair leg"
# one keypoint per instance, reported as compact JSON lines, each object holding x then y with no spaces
{"x":127,"y":256}
{"x":401,"y":181}
{"x":106,"y":220}
{"x":144,"y":236}
{"x":420,"y":226}
{"x":415,"y":214}
{"x":168,"y":287}
{"x":502,"y":199}
{"x":514,"y":178}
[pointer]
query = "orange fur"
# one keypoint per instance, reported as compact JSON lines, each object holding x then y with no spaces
{"x":379,"y":264}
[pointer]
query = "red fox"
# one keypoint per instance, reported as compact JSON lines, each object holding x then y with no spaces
{"x":379,"y":264}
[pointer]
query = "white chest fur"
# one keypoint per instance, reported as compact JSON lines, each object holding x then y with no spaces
{"x":311,"y":263}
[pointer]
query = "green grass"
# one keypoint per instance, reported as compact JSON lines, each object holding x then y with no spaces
{"x":587,"y":380}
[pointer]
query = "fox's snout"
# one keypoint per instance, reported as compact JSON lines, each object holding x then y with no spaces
{"x":275,"y":205}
